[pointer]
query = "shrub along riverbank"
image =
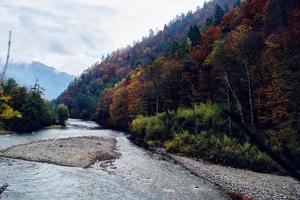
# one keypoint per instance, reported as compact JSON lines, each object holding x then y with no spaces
{"x":24,"y":110}
{"x":244,"y":61}
{"x":200,"y":132}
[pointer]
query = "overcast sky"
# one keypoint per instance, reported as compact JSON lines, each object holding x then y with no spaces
{"x":70,"y":35}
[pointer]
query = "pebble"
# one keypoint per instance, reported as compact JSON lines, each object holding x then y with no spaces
{"x":246,"y":183}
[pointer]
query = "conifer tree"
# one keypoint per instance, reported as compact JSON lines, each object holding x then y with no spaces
{"x":236,"y":3}
{"x":219,"y":13}
{"x":194,"y":35}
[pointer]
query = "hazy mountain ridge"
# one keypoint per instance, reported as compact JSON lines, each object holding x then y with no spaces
{"x":52,"y":80}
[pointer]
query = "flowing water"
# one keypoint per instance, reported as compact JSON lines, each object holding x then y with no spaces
{"x":138,"y":174}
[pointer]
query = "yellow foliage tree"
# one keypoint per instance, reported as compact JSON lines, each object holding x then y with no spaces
{"x":6,"y":112}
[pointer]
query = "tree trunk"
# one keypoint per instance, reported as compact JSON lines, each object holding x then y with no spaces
{"x":156,"y":104}
{"x":239,"y":105}
{"x":250,"y":94}
{"x":258,"y":109}
{"x":229,"y":110}
{"x":193,"y":98}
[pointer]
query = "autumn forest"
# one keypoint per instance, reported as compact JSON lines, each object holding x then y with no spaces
{"x":205,"y":107}
{"x":221,"y":84}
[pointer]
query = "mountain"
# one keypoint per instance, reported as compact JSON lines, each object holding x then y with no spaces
{"x":221,"y":84}
{"x":53,"y":81}
{"x":82,"y":95}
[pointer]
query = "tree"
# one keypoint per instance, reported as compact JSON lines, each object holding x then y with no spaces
{"x":226,"y":8}
{"x":153,"y":75}
{"x":194,"y":35}
{"x":250,"y":48}
{"x":136,"y":93}
{"x":209,"y":21}
{"x":102,"y":115}
{"x":209,"y":37}
{"x":219,"y":13}
{"x":6,"y":111}
{"x":190,"y":80}
{"x":172,"y":78}
{"x":276,"y":15}
{"x":119,"y":108}
{"x":236,"y":3}
{"x":236,"y":69}
{"x":36,"y":112}
{"x":62,"y":113}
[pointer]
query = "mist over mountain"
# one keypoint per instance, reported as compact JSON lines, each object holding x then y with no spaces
{"x":54,"y":82}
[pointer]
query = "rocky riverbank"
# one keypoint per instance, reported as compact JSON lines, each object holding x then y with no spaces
{"x":75,"y":152}
{"x":244,"y":184}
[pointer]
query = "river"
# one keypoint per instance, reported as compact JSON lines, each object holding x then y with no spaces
{"x":138,"y":174}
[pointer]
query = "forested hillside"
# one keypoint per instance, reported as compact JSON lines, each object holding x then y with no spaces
{"x":82,"y":96}
{"x":176,"y":88}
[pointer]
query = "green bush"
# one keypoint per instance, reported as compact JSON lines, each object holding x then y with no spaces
{"x":62,"y":114}
{"x":200,"y":132}
{"x":155,"y":128}
{"x":201,"y":117}
{"x":222,"y":150}
{"x":150,"y":128}
{"x":182,"y":143}
{"x":138,"y":128}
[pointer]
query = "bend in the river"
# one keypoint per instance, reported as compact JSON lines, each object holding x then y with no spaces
{"x":137,"y":174}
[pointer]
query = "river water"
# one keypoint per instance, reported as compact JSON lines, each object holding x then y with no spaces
{"x":138,"y":174}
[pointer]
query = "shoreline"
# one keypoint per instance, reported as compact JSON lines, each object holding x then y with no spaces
{"x":240,"y":184}
{"x":53,"y":126}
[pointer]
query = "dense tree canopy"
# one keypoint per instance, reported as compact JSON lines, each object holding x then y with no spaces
{"x":24,"y":110}
{"x":245,"y":62}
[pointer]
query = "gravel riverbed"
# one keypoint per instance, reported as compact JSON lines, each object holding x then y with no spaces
{"x":86,"y":151}
{"x":244,"y":183}
{"x":75,"y":152}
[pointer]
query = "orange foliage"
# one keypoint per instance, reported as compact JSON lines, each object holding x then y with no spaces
{"x":118,"y":108}
{"x":135,"y":93}
{"x":211,"y":35}
{"x":199,"y":54}
{"x":227,"y":18}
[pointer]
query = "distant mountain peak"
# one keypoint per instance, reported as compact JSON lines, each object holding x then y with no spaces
{"x":52,"y":80}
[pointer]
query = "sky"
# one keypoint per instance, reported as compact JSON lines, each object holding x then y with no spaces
{"x":71,"y":35}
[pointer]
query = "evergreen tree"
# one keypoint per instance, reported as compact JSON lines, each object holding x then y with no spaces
{"x":236,"y":3}
{"x":226,"y":8}
{"x":209,"y":21}
{"x":219,"y":13}
{"x":194,"y":35}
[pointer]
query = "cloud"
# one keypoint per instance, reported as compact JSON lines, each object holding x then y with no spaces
{"x":73,"y":34}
